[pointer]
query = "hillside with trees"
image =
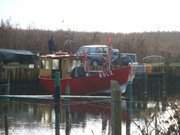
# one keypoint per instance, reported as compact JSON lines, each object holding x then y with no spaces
{"x":166,"y":44}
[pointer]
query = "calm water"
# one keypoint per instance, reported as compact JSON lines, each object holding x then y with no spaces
{"x":80,"y":117}
{"x":146,"y":114}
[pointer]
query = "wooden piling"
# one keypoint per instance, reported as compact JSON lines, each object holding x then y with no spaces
{"x":6,"y":124}
{"x":158,"y":94}
{"x":8,"y":84}
{"x":116,"y":108}
{"x":145,"y":86}
{"x":129,"y":107}
{"x":164,"y":85}
{"x":57,"y":94}
{"x":67,"y":109}
{"x":57,"y":118}
{"x":130,"y":90}
{"x":5,"y":109}
{"x":56,"y":78}
{"x":144,"y":97}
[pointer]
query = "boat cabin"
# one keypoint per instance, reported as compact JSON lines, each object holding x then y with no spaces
{"x":69,"y":65}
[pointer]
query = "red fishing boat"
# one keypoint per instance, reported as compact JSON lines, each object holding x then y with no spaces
{"x":77,"y":73}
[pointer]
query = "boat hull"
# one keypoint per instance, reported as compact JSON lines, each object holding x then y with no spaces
{"x":89,"y":84}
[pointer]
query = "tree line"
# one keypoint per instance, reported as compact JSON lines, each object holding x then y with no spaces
{"x":166,"y":44}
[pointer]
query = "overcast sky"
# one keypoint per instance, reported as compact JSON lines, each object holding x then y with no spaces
{"x":94,"y":15}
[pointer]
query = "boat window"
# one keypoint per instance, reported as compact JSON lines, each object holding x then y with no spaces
{"x":69,"y":66}
{"x":55,"y":64}
{"x":76,"y":63}
{"x":31,"y":66}
{"x":42,"y":63}
{"x":78,"y":69}
{"x":45,"y":64}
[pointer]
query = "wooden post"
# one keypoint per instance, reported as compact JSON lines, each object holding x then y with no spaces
{"x":164,"y":85}
{"x":6,"y":124}
{"x":145,"y":90}
{"x":57,"y":118}
{"x":68,"y":116}
{"x":158,"y":95}
{"x":8,"y":83}
{"x":130,"y":90}
{"x":56,"y":78}
{"x":145,"y":85}
{"x":155,"y":122}
{"x":6,"y":119}
{"x":129,"y":107}
{"x":116,"y":108}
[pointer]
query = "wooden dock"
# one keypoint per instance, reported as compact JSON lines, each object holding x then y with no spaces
{"x":51,"y":98}
{"x":19,"y":80}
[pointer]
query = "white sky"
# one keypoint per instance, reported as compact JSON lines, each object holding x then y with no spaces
{"x":94,"y":15}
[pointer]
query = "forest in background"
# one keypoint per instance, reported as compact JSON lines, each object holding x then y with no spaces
{"x":166,"y":44}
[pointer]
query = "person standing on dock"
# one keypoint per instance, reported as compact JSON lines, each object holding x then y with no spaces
{"x":51,"y":45}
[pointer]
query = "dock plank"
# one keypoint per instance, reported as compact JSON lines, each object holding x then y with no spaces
{"x":50,"y":97}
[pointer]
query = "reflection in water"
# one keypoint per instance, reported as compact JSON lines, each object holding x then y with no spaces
{"x":57,"y":118}
{"x":68,"y":118}
{"x":74,"y":117}
{"x":45,"y":118}
{"x":94,"y":117}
